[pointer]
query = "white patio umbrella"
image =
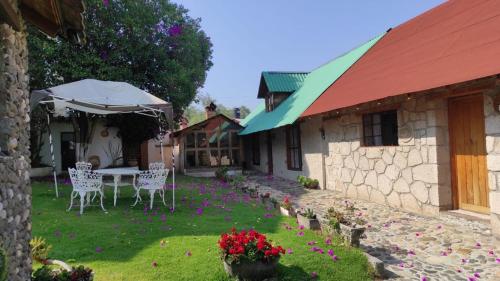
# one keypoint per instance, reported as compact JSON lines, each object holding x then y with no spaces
{"x":103,"y":98}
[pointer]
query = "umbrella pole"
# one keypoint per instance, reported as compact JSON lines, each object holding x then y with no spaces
{"x":52,"y":156}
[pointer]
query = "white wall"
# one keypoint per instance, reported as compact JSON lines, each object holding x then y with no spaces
{"x":98,"y":146}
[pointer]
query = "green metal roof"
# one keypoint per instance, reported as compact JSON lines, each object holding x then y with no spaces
{"x":313,"y":86}
{"x":278,"y":81}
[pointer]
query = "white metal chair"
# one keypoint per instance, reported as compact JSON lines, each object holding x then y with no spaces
{"x":157,"y":166}
{"x":152,"y":181}
{"x":83,"y":166}
{"x":84,"y":183}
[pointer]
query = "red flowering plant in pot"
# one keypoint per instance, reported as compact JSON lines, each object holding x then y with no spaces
{"x":248,"y":255}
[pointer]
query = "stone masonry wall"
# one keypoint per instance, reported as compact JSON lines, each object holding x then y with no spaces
{"x":492,"y":131}
{"x":15,"y":189}
{"x":415,"y":175}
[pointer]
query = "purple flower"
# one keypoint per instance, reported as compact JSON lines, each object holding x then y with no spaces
{"x":98,"y":250}
{"x":310,"y":243}
{"x":301,"y":233}
{"x":497,"y":260}
{"x":188,"y":253}
{"x":472,"y":279}
{"x":331,"y":253}
{"x":424,"y":278}
{"x":491,"y":253}
{"x":476,"y":274}
{"x":335,"y":258}
{"x":199,"y":211}
{"x":464,"y":261}
{"x":175,"y":30}
{"x":444,"y":254}
{"x":314,"y":275}
{"x":301,"y":227}
{"x":105,"y":3}
{"x":289,"y":251}
{"x":478,"y":245}
{"x":328,"y":241}
{"x":268,"y":215}
{"x":411,"y":253}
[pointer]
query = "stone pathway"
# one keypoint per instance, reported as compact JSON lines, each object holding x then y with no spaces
{"x":411,"y":246}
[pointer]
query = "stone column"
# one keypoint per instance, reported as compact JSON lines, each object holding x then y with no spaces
{"x":492,"y":130}
{"x":15,"y":189}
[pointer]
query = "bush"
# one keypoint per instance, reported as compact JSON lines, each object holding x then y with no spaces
{"x":308,"y":182}
{"x":3,"y":265}
{"x":221,"y":173}
{"x":79,"y":273}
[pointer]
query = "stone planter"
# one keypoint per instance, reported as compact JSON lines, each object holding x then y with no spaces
{"x":351,"y":234}
{"x":288,"y":213}
{"x":308,"y":223}
{"x":252,"y":271}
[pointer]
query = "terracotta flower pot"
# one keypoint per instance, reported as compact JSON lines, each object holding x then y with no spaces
{"x":252,"y":271}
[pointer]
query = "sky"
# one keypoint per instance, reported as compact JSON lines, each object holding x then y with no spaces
{"x":289,"y":35}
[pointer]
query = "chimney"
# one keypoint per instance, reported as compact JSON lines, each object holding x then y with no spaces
{"x":210,"y":110}
{"x":237,"y":113}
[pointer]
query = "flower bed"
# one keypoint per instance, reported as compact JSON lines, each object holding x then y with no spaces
{"x":249,"y":255}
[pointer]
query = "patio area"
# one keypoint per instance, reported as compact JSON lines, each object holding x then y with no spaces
{"x":138,"y":243}
{"x":412,"y":247}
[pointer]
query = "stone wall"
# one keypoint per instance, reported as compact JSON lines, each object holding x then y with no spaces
{"x":15,"y":189}
{"x":492,"y":131}
{"x":415,"y":175}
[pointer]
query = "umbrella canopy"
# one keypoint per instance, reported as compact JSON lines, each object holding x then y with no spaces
{"x":100,"y":97}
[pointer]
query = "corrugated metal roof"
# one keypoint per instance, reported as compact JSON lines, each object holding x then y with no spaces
{"x":281,"y":81}
{"x":455,"y":42}
{"x":313,"y":86}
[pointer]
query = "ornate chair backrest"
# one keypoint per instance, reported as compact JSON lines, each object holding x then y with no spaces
{"x":85,"y":180}
{"x":152,"y":179}
{"x":83,"y":166}
{"x":157,"y":166}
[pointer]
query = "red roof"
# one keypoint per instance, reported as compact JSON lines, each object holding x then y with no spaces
{"x":454,"y":42}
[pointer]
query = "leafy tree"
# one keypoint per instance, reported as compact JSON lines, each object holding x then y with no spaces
{"x":195,"y":114}
{"x":152,"y":44}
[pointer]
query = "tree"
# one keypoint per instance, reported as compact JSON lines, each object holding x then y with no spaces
{"x":153,"y":45}
{"x":195,"y":114}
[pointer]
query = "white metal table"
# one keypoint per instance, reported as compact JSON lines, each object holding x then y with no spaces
{"x":117,"y":173}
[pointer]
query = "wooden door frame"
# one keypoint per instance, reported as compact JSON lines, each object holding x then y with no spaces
{"x":453,"y":169}
{"x":270,"y":167}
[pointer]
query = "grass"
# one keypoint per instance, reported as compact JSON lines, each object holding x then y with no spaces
{"x":124,"y":243}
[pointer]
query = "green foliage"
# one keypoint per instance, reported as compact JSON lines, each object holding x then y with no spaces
{"x":3,"y":265}
{"x":237,"y":180}
{"x":309,"y":213}
{"x":221,"y":173}
{"x":154,"y":45}
{"x":308,"y":182}
{"x":195,"y":113}
{"x":79,"y":273}
{"x":39,"y":249}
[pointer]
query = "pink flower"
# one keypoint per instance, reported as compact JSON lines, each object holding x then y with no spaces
{"x":401,"y":264}
{"x":424,"y":278}
{"x":369,"y":226}
{"x":478,"y":245}
{"x":301,"y":227}
{"x":331,"y":253}
{"x":459,"y":270}
{"x":154,"y":264}
{"x":188,"y":253}
{"x":199,"y":211}
{"x":335,"y":258}
{"x":491,"y":253}
{"x":310,"y":243}
{"x":98,"y":250}
{"x":418,"y":234}
{"x":464,"y":260}
{"x":444,"y":254}
{"x":314,"y":275}
{"x":411,"y":253}
{"x":439,"y":226}
{"x":289,"y":251}
{"x":472,"y":279}
{"x":328,"y":241}
{"x":301,"y":233}
{"x":105,"y":3}
{"x":497,"y":260}
{"x":476,"y":274}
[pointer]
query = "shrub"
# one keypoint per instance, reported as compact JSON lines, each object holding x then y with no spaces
{"x":308,"y":182}
{"x":39,"y":249}
{"x":3,"y":265}
{"x":79,"y":273}
{"x":247,"y":245}
{"x":221,"y":173}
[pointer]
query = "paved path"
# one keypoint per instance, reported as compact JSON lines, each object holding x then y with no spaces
{"x":411,"y":246}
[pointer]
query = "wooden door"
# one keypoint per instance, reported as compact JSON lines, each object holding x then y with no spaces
{"x":468,"y":153}
{"x":269,"y":153}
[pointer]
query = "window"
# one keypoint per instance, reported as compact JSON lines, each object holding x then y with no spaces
{"x":380,"y":128}
{"x":256,"y":150}
{"x":270,"y":103}
{"x":293,"y":151}
{"x":212,"y":148}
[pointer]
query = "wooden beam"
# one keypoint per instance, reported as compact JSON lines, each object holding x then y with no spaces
{"x":45,"y":25}
{"x":10,"y":16}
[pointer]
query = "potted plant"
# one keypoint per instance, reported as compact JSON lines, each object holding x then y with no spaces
{"x":286,"y":208}
{"x":308,"y":219}
{"x":253,"y":192}
{"x":248,"y":255}
{"x":274,"y":202}
{"x":350,"y":227}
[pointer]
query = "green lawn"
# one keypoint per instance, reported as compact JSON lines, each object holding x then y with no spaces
{"x":124,"y":243}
